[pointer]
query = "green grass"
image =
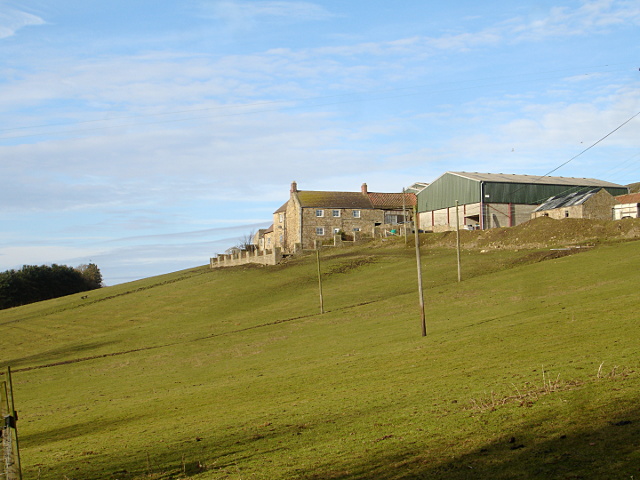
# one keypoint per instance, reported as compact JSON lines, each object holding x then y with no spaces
{"x":529,"y":370}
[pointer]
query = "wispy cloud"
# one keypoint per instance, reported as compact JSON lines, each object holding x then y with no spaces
{"x":245,"y":14}
{"x":12,"y":20}
{"x":589,"y":18}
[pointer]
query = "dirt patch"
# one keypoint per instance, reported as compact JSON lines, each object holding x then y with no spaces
{"x":542,"y":232}
{"x":541,"y":256}
{"x":350,"y":264}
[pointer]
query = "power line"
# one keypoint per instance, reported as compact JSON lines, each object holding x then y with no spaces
{"x":574,"y":157}
{"x":592,"y":145}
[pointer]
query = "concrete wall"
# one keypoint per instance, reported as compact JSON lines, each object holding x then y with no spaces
{"x":494,"y":215}
{"x":272,"y":257}
{"x":624,"y":210}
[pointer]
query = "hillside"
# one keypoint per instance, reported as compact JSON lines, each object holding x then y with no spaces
{"x":529,"y":368}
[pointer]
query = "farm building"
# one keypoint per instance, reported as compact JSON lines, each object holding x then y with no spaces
{"x":628,"y":206}
{"x":489,"y":200}
{"x":594,"y":204}
{"x":310,"y":216}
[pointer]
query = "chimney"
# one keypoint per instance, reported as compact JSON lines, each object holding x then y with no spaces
{"x":364,"y":188}
{"x":294,"y":187}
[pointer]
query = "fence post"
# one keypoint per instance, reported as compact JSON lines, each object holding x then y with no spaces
{"x":10,"y":450}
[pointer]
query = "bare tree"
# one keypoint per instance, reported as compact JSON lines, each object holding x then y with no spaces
{"x":246,"y":242}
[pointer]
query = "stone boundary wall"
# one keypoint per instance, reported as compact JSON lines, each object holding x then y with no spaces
{"x":269,"y":257}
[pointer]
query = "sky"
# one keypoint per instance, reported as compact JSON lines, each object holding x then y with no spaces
{"x":147,"y":136}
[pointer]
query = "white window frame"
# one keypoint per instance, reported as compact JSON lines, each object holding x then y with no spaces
{"x":356,"y":229}
{"x":320,"y":231}
{"x":335,"y":213}
{"x":319,"y":213}
{"x":356,"y":214}
{"x":281,"y":217}
{"x":336,"y":230}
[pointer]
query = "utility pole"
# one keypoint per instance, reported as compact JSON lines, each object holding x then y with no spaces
{"x":319,"y":279}
{"x":458,"y":241}
{"x":423,"y":321}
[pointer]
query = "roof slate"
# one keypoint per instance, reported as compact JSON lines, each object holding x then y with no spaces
{"x":283,"y":208}
{"x":317,"y":199}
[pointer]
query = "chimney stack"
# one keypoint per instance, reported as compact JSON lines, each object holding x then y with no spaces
{"x":294,"y":187}
{"x":364,"y":188}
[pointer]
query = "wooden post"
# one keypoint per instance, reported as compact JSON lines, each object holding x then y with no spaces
{"x":319,"y":281}
{"x":423,"y":321}
{"x":404,"y":217}
{"x":10,"y":450}
{"x":458,"y":241}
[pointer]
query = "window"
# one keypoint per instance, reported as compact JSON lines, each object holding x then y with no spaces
{"x":319,"y":230}
{"x":281,"y":238}
{"x":394,"y":218}
{"x":356,"y":229}
{"x":566,"y":213}
{"x":281,"y":217}
{"x":319,"y":213}
{"x":336,"y":230}
{"x":356,"y":214}
{"x":335,"y":213}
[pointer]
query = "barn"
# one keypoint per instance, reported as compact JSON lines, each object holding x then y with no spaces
{"x":628,"y":206}
{"x":490,"y":200}
{"x":595,"y":204}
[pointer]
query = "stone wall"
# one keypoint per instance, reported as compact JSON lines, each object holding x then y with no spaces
{"x":269,"y":257}
{"x":597,"y":207}
{"x":600,"y":206}
{"x":344,"y":222}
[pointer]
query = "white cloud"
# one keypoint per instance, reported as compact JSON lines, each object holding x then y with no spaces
{"x":12,"y":20}
{"x":243,"y":14}
{"x":15,"y":257}
{"x":591,"y":17}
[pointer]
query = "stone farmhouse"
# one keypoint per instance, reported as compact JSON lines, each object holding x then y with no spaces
{"x":312,"y":217}
{"x":595,"y":204}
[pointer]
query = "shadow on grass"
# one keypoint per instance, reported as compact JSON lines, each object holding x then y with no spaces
{"x":64,"y":433}
{"x":607,"y":452}
{"x":56,"y":355}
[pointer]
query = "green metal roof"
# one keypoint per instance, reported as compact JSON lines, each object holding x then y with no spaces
{"x":468,"y":188}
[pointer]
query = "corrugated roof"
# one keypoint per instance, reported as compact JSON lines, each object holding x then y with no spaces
{"x":544,"y":180}
{"x":417,"y":187}
{"x":334,"y":199}
{"x":570,"y":200}
{"x":392,"y":200}
{"x":630,"y":198}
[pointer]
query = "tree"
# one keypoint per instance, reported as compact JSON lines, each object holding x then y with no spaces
{"x":91,"y":273}
{"x":34,"y":283}
{"x":246,"y":242}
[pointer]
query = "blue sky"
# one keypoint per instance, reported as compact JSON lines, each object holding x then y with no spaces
{"x":148,"y":136}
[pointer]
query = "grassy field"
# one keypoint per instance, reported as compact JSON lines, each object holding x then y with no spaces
{"x":529,"y":369}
